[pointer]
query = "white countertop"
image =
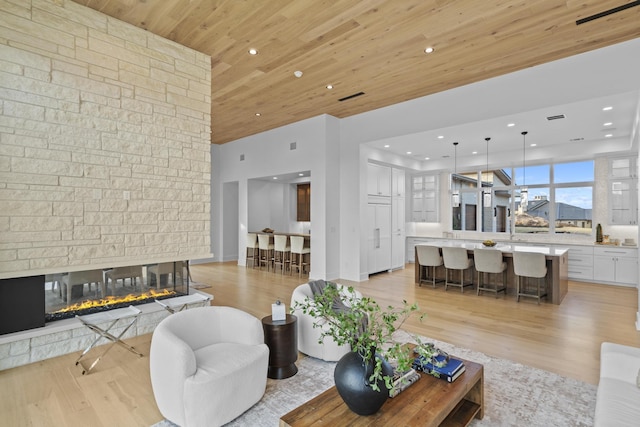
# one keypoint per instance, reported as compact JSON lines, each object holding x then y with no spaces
{"x":521,"y":242}
{"x":502,"y":247}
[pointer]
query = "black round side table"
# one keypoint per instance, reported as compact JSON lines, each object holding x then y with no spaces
{"x":282,"y":338}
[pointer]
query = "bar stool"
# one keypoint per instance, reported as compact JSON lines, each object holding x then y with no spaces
{"x":265,"y":248}
{"x":281,"y":252}
{"x":298,"y":252}
{"x":252,"y":249}
{"x":428,"y":256}
{"x":489,"y":261}
{"x":457,"y":259}
{"x":533,"y":265}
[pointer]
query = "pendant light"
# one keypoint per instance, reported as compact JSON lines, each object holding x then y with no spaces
{"x":455,"y":194}
{"x":487,"y":192}
{"x":524,"y":193}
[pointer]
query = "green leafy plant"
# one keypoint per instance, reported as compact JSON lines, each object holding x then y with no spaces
{"x":367,"y":328}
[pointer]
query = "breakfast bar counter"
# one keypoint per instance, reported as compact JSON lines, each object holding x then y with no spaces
{"x":557,"y":264}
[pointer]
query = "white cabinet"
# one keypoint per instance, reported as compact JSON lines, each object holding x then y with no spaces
{"x":398,"y":218}
{"x":623,"y":191}
{"x":615,"y":265}
{"x":378,"y":238}
{"x":397,"y":232}
{"x":397,"y":183}
{"x":378,"y":180}
{"x":623,"y":201}
{"x":580,"y":263}
{"x":424,"y":198}
{"x":623,"y":167}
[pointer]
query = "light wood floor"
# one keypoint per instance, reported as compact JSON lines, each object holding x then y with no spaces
{"x":564,"y":339}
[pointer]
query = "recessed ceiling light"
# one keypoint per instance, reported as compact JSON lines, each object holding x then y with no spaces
{"x":329,"y":87}
{"x":408,"y":152}
{"x":474,"y":152}
{"x":607,"y":124}
{"x":427,"y":158}
{"x":511,"y":125}
{"x":258,"y":114}
{"x":533,"y":145}
{"x":428,"y":50}
{"x":297,"y":73}
{"x":607,"y":108}
{"x":609,"y":135}
{"x":300,"y":174}
{"x":440,"y":136}
{"x":275,"y":177}
{"x":253,"y":51}
{"x":386,"y":146}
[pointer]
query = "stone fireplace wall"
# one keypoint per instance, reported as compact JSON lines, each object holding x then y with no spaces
{"x":104,"y":142}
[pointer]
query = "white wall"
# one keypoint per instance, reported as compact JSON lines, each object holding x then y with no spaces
{"x":230,"y":221}
{"x":269,"y":154}
{"x":104,"y":142}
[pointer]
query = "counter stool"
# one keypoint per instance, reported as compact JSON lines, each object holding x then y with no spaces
{"x":265,"y":248}
{"x":252,"y":249}
{"x":428,"y":256}
{"x":457,"y":259}
{"x":281,"y":252}
{"x":298,"y":252}
{"x":489,"y":261}
{"x":530,"y":265}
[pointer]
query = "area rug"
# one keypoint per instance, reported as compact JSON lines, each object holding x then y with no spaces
{"x":514,"y":394}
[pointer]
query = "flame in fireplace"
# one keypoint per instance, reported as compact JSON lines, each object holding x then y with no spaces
{"x":112,"y":300}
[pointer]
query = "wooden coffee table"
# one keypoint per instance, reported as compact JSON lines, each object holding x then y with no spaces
{"x":428,"y":402}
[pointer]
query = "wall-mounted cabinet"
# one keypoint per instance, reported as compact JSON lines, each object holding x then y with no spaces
{"x":623,"y":191}
{"x":424,"y":198}
{"x":379,"y":180}
{"x":397,"y":183}
{"x":304,"y":202}
{"x":623,"y":167}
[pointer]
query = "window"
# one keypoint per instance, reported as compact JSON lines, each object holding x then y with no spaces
{"x":549,"y":198}
{"x":573,"y":210}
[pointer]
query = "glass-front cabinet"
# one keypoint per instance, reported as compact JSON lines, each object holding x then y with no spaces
{"x":424,"y":194}
{"x":623,"y":191}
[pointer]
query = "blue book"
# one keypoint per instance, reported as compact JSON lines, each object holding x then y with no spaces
{"x":451,"y":369}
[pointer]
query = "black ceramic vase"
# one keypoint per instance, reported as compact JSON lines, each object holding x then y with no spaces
{"x":351,"y":376}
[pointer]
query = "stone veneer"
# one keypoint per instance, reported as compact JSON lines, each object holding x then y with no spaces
{"x":69,"y":335}
{"x":104,"y":142}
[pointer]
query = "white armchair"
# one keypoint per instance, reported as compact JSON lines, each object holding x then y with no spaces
{"x":618,"y":398}
{"x":208,"y":365}
{"x":308,"y":336}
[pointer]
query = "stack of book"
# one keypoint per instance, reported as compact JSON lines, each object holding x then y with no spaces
{"x":402,"y":380}
{"x":451,"y":369}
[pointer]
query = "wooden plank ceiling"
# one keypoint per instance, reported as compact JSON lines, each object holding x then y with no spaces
{"x":371,"y":46}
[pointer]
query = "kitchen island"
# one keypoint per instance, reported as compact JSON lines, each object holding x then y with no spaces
{"x":557,"y":264}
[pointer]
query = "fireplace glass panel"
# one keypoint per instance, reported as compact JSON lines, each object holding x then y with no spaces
{"x":91,"y":291}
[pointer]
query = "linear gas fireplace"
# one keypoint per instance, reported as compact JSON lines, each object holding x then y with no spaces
{"x":31,"y":302}
{"x":92,"y":291}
